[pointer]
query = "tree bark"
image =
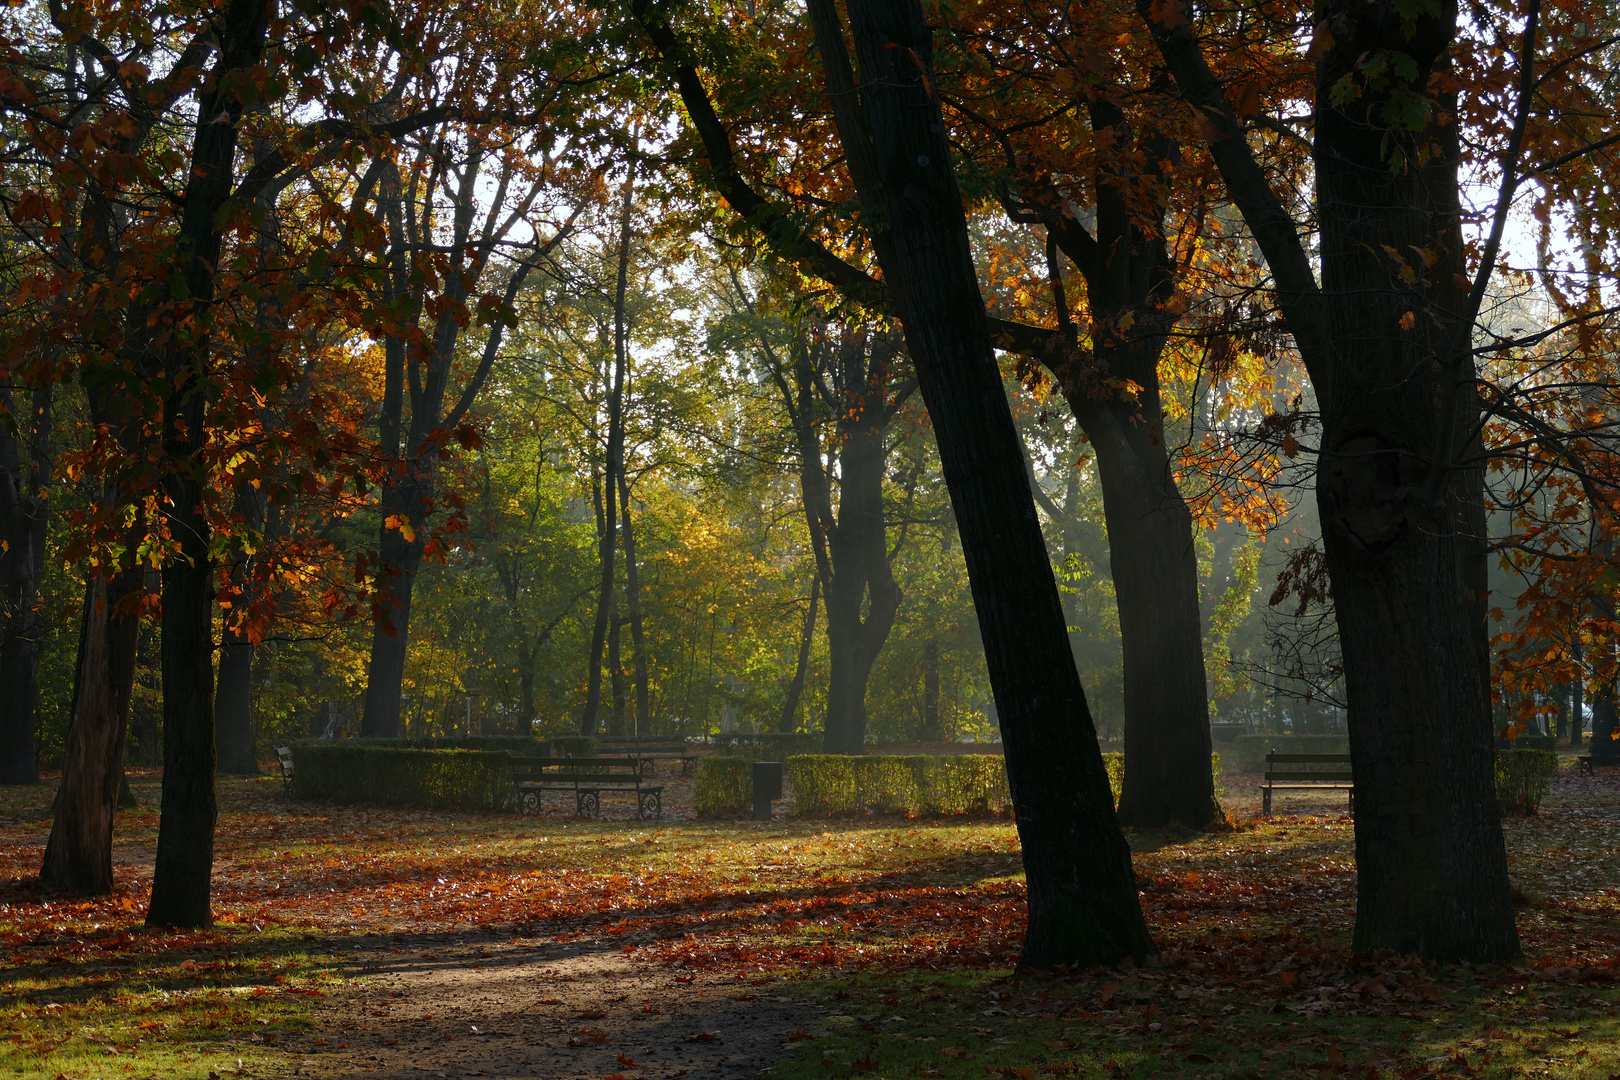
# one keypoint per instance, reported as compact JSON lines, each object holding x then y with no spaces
{"x":78,"y":855}
{"x":1403,"y":540}
{"x":807,"y":634}
{"x":390,"y":633}
{"x":233,"y":702}
{"x":1577,"y":693}
{"x":1083,"y":906}
{"x":632,"y":600}
{"x":185,"y":848}
{"x":612,"y":466}
{"x":22,"y":566}
{"x":932,"y":729}
{"x":1168,"y":777}
{"x":858,"y":543}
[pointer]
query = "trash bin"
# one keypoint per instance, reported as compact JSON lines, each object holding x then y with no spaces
{"x":767,"y":787}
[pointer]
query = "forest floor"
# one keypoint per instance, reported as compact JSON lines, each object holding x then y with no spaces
{"x":358,"y":941}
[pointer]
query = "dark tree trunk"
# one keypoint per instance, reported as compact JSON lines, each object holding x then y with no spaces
{"x":1083,"y":906}
{"x":1387,"y":344}
{"x":1604,"y":722}
{"x":526,"y":682}
{"x":234,"y":707}
{"x":1577,"y":702}
{"x":22,"y":565}
{"x":613,"y":465}
{"x":1168,"y":778}
{"x":78,"y":856}
{"x":233,"y":701}
{"x":807,"y":635}
{"x":185,"y":848}
{"x":932,"y":729}
{"x":858,"y":543}
{"x":390,"y":632}
{"x":632,"y":599}
{"x":1431,"y":865}
{"x":616,"y":719}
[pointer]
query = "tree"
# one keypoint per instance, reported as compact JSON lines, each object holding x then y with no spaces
{"x":23,"y":481}
{"x":1385,"y":337}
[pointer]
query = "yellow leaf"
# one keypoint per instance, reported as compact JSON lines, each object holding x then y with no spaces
{"x":1408,"y":321}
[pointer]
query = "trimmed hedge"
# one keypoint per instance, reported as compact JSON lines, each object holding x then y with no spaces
{"x":1247,"y":753}
{"x":1523,"y":778}
{"x":401,"y":776}
{"x":766,"y":745}
{"x":891,"y":783}
{"x":725,"y":786}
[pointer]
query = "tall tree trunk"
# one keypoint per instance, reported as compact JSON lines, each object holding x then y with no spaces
{"x":607,"y":527}
{"x":22,"y":566}
{"x":632,"y":600}
{"x":390,"y":633}
{"x":1168,"y":778}
{"x":1129,"y":283}
{"x":1577,"y":694}
{"x":1430,"y":859}
{"x":1389,"y":351}
{"x":858,"y":545}
{"x":185,"y":848}
{"x":233,"y":701}
{"x":78,"y":855}
{"x":615,"y":662}
{"x":807,"y":633}
{"x":1083,"y":906}
{"x":932,"y":729}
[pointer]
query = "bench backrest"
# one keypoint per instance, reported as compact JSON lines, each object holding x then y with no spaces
{"x":643,"y":744}
{"x":1277,"y":767}
{"x":566,"y":768}
{"x":284,"y":755}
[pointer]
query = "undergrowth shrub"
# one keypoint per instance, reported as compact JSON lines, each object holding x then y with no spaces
{"x":725,"y":786}
{"x":1523,"y":778}
{"x":401,"y":776}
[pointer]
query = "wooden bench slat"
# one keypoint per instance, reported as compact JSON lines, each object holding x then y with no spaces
{"x":1296,"y":758}
{"x":1324,"y":776}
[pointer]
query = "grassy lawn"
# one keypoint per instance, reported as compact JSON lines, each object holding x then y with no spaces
{"x":896,"y":938}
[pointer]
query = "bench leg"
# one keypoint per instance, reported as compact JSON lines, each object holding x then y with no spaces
{"x":649,"y":804}
{"x":1265,"y":801}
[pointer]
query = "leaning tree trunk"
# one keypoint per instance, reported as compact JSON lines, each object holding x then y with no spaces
{"x":1083,"y":906}
{"x":78,"y":855}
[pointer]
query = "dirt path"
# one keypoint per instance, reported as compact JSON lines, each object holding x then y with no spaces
{"x":477,"y":1004}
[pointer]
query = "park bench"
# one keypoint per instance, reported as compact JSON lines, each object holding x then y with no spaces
{"x":285,"y":760}
{"x":588,"y":778}
{"x":1283,"y":773}
{"x":650,"y":751}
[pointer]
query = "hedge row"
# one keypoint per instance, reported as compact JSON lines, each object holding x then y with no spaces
{"x":400,"y":776}
{"x":1523,"y":778}
{"x":881,"y":783}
